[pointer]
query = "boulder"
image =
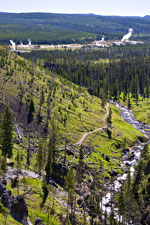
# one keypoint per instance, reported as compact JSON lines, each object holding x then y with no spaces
{"x":60,"y":168}
{"x":19,"y":209}
{"x":6,"y":199}
{"x":59,"y":172}
{"x":113,"y":173}
{"x":107,"y":158}
{"x":38,"y":222}
{"x":2,"y":189}
{"x":141,"y":139}
{"x":69,"y":152}
{"x":103,"y":155}
{"x":11,"y":164}
{"x":125,"y":151}
{"x":17,"y":141}
{"x":79,"y":201}
{"x":4,"y":182}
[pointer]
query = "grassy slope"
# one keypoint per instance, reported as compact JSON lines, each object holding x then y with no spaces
{"x":112,"y":148}
{"x":141,"y":110}
{"x":34,"y":199}
{"x":83,"y":113}
{"x":9,"y":220}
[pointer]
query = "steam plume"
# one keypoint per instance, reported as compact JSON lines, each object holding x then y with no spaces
{"x":21,"y":43}
{"x":13,"y":45}
{"x":103,"y":38}
{"x":127,"y":36}
{"x":29,"y":44}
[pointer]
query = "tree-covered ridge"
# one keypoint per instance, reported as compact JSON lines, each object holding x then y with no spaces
{"x":46,"y":28}
{"x":105,"y":73}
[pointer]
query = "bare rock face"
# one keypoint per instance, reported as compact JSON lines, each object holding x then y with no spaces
{"x":19,"y":209}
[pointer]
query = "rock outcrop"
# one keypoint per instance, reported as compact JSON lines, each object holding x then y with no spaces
{"x":17,"y":206}
{"x":6,"y":199}
{"x":59,"y":172}
{"x":19,"y":209}
{"x":2,"y":188}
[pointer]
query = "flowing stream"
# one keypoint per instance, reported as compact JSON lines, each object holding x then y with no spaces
{"x":135,"y":154}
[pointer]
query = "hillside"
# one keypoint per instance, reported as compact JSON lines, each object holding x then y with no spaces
{"x":63,"y":113}
{"x":47,"y":28}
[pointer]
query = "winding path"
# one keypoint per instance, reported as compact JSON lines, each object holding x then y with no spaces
{"x":12,"y":172}
{"x":98,"y":129}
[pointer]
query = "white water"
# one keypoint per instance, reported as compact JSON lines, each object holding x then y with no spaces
{"x":135,"y":152}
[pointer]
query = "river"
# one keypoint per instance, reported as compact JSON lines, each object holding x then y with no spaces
{"x":128,"y":116}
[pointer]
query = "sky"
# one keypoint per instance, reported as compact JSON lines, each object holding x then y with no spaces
{"x":100,"y":7}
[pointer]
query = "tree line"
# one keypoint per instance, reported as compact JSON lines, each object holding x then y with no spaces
{"x":105,"y":73}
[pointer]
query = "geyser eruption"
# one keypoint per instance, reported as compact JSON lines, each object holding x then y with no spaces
{"x":103,"y":38}
{"x":21,"y":43}
{"x":13,"y":45}
{"x":29,"y":44}
{"x":127,"y":36}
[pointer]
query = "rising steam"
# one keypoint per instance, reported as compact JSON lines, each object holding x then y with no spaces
{"x":127,"y":36}
{"x":29,"y":44}
{"x":13,"y":45}
{"x":103,"y":38}
{"x":21,"y":43}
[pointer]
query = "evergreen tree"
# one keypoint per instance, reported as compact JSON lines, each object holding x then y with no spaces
{"x":138,"y":178}
{"x":80,"y":167}
{"x":19,"y":158}
{"x":28,"y":150}
{"x":7,"y":133}
{"x":29,"y":121}
{"x":40,"y":157}
{"x":4,"y":166}
{"x":121,"y":204}
{"x":70,"y":187}
{"x":54,"y":138}
{"x":0,"y":130}
{"x":109,"y":118}
{"x":45,"y":191}
{"x":129,"y":101}
{"x":30,"y":111}
{"x":48,"y":168}
{"x":145,"y":153}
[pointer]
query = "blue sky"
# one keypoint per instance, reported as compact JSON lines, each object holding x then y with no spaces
{"x":100,"y":7}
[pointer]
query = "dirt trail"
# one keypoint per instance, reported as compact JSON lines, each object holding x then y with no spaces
{"x":98,"y":129}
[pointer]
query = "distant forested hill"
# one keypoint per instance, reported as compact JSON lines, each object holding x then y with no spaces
{"x":67,"y":28}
